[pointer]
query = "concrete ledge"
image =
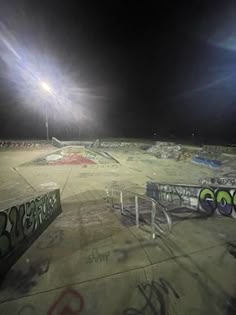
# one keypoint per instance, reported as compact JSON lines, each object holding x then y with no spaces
{"x":219,"y":149}
{"x":21,"y":224}
{"x":22,"y":144}
{"x":100,"y":143}
{"x":209,"y":199}
{"x":60,"y":144}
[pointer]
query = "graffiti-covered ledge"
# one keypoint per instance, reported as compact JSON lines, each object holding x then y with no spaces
{"x":211,"y":198}
{"x":21,"y":224}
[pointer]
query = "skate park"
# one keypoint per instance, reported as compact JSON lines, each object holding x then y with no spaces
{"x":117,"y":158}
{"x":94,"y":256}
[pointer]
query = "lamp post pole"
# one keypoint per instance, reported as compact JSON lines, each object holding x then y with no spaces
{"x":48,"y":89}
{"x":46,"y":121}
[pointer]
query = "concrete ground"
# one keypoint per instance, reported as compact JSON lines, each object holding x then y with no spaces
{"x":92,"y":260}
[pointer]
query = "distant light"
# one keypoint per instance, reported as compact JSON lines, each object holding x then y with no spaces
{"x":46,"y":86}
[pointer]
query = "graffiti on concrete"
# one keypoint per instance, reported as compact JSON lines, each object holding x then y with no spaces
{"x":20,"y":225}
{"x":27,"y":309}
{"x":219,"y":149}
{"x":156,"y":296}
{"x":208,"y":199}
{"x":207,"y":162}
{"x":69,"y":302}
{"x":229,"y":174}
{"x":20,"y":144}
{"x":165,"y":150}
{"x":61,"y":144}
{"x":220,"y":181}
{"x":181,"y":195}
{"x":232,"y":249}
{"x":52,"y":239}
{"x":73,"y":158}
{"x":97,"y":257}
{"x":74,"y":155}
{"x":21,"y":281}
{"x":218,"y":199}
{"x":185,"y":155}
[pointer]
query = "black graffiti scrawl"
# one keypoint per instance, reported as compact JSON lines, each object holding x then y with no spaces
{"x":21,"y":224}
{"x":155,"y":296}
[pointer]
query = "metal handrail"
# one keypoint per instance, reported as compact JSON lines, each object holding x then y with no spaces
{"x":155,"y":203}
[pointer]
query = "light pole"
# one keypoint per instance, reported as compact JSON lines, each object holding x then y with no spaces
{"x":48,"y":89}
{"x":46,"y":121}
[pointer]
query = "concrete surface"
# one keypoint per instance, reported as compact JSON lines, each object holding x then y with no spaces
{"x":91,"y":260}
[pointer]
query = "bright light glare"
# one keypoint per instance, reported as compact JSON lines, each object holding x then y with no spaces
{"x":37,"y":78}
{"x":45,"y":86}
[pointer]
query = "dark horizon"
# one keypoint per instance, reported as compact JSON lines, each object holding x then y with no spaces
{"x":129,"y":70}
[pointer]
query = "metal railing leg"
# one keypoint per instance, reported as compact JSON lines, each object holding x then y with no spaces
{"x":121,"y":203}
{"x":136,"y":211}
{"x":157,"y":226}
{"x":153,"y":219}
{"x":112,"y":200}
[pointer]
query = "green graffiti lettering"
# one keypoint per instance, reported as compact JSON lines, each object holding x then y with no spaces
{"x":5,"y":243}
{"x":224,"y":202}
{"x":234,"y":200}
{"x":207,"y":200}
{"x":16,"y":218}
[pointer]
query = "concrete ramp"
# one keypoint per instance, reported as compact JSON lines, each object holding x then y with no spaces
{"x":23,"y":222}
{"x":73,"y":155}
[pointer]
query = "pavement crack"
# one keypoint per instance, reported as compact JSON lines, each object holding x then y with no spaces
{"x":110,"y":275}
{"x":67,"y":178}
{"x":140,"y":243}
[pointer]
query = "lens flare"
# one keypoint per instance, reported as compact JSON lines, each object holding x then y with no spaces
{"x":37,"y":77}
{"x":45,"y":86}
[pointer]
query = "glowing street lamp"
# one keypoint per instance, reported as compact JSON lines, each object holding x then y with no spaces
{"x":46,"y":87}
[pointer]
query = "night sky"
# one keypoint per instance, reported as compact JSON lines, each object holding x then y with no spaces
{"x":164,"y":67}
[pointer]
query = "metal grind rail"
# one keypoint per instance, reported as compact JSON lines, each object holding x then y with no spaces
{"x":156,"y":210}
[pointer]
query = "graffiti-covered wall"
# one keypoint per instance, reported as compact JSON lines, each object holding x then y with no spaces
{"x":21,"y":224}
{"x":210,"y":199}
{"x":219,"y":149}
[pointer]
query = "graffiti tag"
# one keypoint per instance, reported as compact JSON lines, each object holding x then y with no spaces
{"x":224,"y":181}
{"x":96,"y":257}
{"x":20,"y":225}
{"x":209,"y":199}
{"x":69,"y":302}
{"x":22,"y":282}
{"x":22,"y":221}
{"x":155,"y":295}
{"x":220,"y":199}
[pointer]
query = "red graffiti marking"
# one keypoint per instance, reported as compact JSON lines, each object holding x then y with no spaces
{"x":72,"y":158}
{"x":70,"y":302}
